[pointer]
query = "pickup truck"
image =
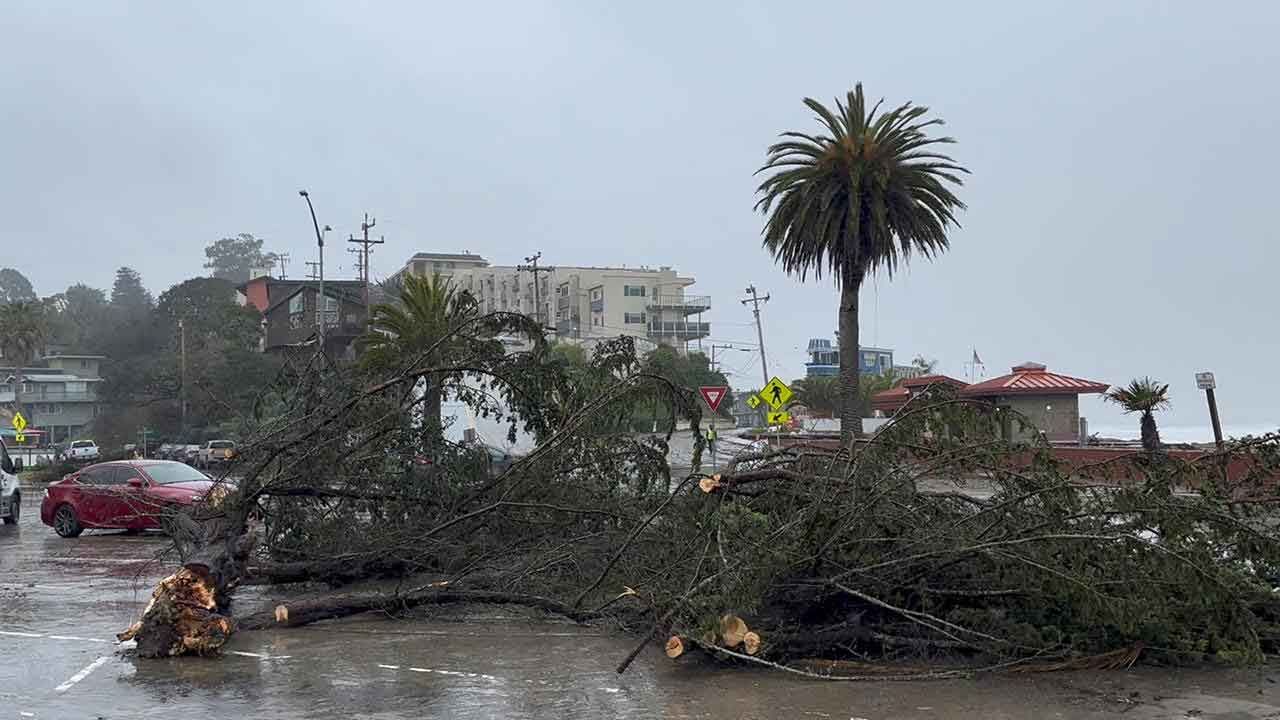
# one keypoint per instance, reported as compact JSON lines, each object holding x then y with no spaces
{"x":216,"y":452}
{"x":10,"y":495}
{"x":83,"y":451}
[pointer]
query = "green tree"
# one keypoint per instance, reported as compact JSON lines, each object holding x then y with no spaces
{"x":409,"y":331}
{"x":22,"y":336}
{"x":210,"y":314}
{"x":1143,"y":396}
{"x":79,"y":319}
{"x":820,"y":394}
{"x":15,"y":287}
{"x":926,"y":367}
{"x":128,"y":295}
{"x":234,"y":258}
{"x":862,"y":195}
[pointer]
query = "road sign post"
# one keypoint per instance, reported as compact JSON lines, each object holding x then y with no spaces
{"x":1206,"y":382}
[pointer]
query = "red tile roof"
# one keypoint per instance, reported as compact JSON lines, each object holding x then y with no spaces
{"x":1033,"y":379}
{"x":924,"y":380}
{"x":890,"y":400}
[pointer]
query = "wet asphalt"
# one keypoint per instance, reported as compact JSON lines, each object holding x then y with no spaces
{"x":62,"y":601}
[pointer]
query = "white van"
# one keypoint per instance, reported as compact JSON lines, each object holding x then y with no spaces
{"x":10,"y":496}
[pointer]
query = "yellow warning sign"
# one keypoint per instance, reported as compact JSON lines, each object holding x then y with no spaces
{"x":19,"y":422}
{"x":778,"y":418}
{"x":776,"y":394}
{"x":754,"y":401}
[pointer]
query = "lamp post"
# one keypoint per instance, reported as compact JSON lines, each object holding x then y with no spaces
{"x":319,"y":244}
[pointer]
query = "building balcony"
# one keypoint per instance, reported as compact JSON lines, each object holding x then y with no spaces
{"x":52,"y":396}
{"x":686,"y":304}
{"x":679,"y":330}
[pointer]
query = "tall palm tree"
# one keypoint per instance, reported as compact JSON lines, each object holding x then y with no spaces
{"x":1143,"y":396}
{"x":408,"y":330}
{"x":862,"y":195}
{"x":22,"y":336}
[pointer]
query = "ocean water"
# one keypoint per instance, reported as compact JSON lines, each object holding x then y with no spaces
{"x":1181,"y":433}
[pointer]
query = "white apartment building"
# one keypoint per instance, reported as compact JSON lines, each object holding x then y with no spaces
{"x":581,"y":303}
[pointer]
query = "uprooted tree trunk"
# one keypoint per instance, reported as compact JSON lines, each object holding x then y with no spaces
{"x":189,"y":611}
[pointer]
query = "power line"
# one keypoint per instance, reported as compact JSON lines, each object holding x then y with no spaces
{"x":366,"y":247}
{"x":537,"y":297}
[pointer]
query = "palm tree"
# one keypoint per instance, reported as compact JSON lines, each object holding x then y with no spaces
{"x":861,"y":196}
{"x":22,"y":335}
{"x":409,"y":329}
{"x":1143,"y":396}
{"x":819,"y":393}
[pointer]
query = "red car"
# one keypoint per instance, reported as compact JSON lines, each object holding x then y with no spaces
{"x":126,"y":495}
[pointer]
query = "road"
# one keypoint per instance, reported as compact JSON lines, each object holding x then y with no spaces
{"x":61,"y":602}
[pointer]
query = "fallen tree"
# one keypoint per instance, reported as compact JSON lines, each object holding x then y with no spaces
{"x":933,"y":541}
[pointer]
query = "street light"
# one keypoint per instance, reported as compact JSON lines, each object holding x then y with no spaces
{"x":320,"y":244}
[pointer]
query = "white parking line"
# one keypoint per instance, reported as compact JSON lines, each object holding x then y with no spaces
{"x":11,"y":633}
{"x":84,"y":673}
{"x":260,"y":656}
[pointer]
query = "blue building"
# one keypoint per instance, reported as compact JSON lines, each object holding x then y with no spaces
{"x":824,"y":359}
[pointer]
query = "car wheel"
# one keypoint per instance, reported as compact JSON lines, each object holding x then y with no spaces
{"x":15,"y":509}
{"x":65,"y":522}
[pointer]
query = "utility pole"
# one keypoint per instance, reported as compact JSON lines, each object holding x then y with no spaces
{"x":532,"y":267}
{"x":755,"y":301}
{"x":366,"y":248}
{"x":283,"y":260}
{"x":311,"y":269}
{"x":715,"y":364}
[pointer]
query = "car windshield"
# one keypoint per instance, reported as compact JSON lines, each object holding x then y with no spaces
{"x":170,"y":473}
{"x":221,"y":444}
{"x":82,"y":444}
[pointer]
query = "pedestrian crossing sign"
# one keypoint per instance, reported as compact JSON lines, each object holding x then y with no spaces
{"x":776,"y":394}
{"x":754,"y":401}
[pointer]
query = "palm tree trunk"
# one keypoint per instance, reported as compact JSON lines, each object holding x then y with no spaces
{"x":850,"y":417}
{"x":1150,"y":435}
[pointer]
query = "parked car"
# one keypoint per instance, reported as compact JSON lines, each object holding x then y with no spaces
{"x":10,"y":493}
{"x":83,"y":451}
{"x":216,"y":452}
{"x":189,"y":454}
{"x":124,"y":494}
{"x":166,"y":451}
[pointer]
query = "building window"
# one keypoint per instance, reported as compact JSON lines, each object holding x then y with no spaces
{"x":597,"y":293}
{"x":84,"y":364}
{"x":633,"y":318}
{"x":869,"y":358}
{"x":633,"y":290}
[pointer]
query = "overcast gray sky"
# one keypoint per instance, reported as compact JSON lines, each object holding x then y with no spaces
{"x":1122,"y":156}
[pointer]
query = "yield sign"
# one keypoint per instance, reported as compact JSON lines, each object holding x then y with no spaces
{"x":713,"y":395}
